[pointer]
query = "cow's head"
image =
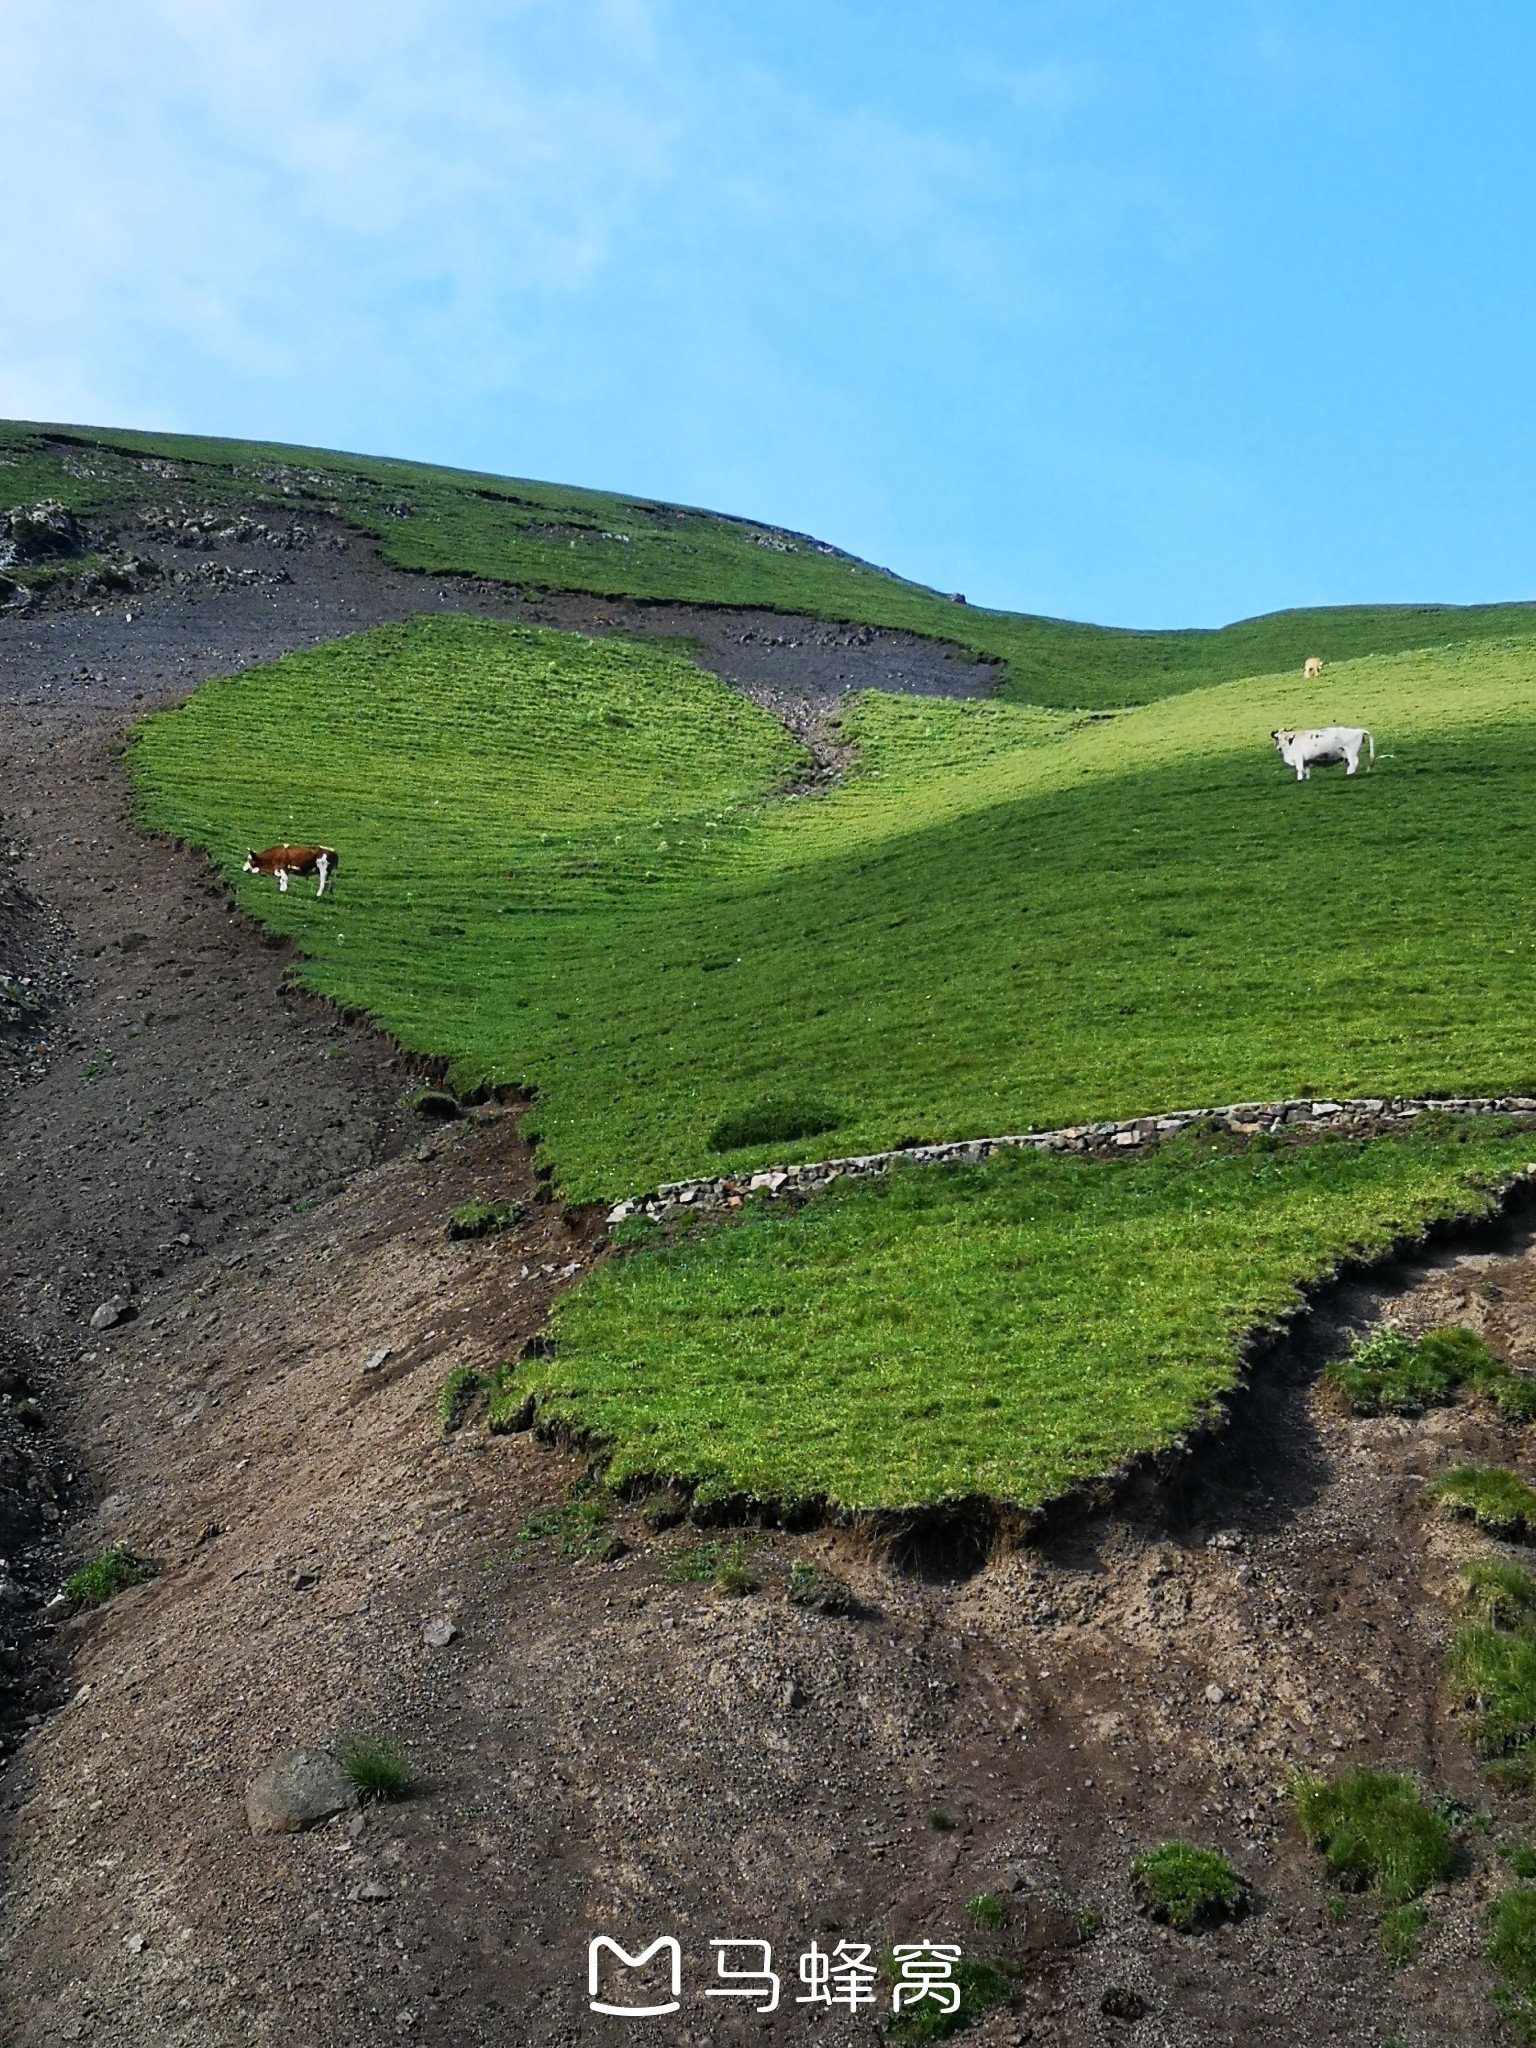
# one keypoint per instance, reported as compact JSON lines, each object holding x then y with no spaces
{"x":1282,"y":739}
{"x":250,"y":863}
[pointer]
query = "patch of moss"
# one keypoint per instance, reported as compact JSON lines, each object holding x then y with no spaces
{"x":1187,"y":1887}
{"x":1374,"y":1829}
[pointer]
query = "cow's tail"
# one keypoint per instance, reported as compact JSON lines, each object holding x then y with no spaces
{"x":1372,"y":745}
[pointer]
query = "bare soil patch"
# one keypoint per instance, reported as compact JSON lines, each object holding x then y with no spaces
{"x":599,"y":1745}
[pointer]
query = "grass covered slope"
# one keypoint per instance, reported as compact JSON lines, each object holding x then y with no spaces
{"x":563,"y":866}
{"x":1003,"y":1330}
{"x":552,"y":536}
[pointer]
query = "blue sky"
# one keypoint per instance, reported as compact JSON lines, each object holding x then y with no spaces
{"x":1151,"y":314}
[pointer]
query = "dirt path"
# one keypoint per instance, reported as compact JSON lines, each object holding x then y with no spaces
{"x":602,"y":1744}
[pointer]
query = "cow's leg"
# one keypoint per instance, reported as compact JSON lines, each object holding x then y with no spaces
{"x":324,"y":868}
{"x":1351,"y":760}
{"x":282,"y":881}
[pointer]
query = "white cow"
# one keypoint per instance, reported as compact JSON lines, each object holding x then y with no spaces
{"x":1322,"y":747}
{"x":1312,"y":666}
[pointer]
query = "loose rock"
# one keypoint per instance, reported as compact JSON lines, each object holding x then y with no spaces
{"x":298,"y":1791}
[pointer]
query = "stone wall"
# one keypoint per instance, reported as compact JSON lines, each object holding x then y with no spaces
{"x":1360,"y":1116}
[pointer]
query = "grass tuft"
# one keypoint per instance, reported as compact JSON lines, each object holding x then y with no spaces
{"x":1498,"y":1501}
{"x":724,"y":1565}
{"x":1512,"y":1952}
{"x":483,"y":1219}
{"x":376,"y":1764}
{"x":1187,"y":1887}
{"x":1374,"y":1829}
{"x":458,"y":1395}
{"x":1496,"y":1669}
{"x":985,"y":1982}
{"x":1388,"y":1373}
{"x":112,"y":1571}
{"x":1499,"y":1595}
{"x":1402,"y":1929}
{"x":988,"y":1911}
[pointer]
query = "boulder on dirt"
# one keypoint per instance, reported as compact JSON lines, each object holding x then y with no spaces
{"x":107,"y":1317}
{"x":298,"y":1791}
{"x":439,"y":1633}
{"x":39,"y":533}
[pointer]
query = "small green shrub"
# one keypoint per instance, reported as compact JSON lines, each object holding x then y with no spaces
{"x":1498,"y":1501}
{"x":1402,"y":1929}
{"x":987,"y":1911}
{"x":434,"y":1102}
{"x":376,"y":1764}
{"x":113,"y":1571}
{"x":777,"y":1121}
{"x":1512,"y":1952}
{"x":1501,"y":1595}
{"x":457,"y":1397}
{"x":1374,"y":1829}
{"x":1521,"y":1859}
{"x":1187,"y":1887}
{"x":942,"y":1823}
{"x":483,"y":1219}
{"x":984,"y":1981}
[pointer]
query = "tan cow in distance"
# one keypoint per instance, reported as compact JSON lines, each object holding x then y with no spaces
{"x":1312,"y":666}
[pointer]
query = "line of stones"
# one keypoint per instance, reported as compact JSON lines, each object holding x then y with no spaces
{"x":1366,"y":1112}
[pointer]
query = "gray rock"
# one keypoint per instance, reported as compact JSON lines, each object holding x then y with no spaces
{"x":298,"y":1791}
{"x":439,"y":1634}
{"x":111,"y":1313}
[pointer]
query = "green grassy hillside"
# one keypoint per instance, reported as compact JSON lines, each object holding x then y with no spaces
{"x":564,"y":867}
{"x":550,"y":536}
{"x":1004,"y":1330}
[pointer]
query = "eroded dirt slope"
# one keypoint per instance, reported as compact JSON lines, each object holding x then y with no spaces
{"x":600,"y":1742}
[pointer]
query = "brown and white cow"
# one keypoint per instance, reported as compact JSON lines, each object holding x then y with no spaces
{"x":1312,"y":666}
{"x":284,"y":861}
